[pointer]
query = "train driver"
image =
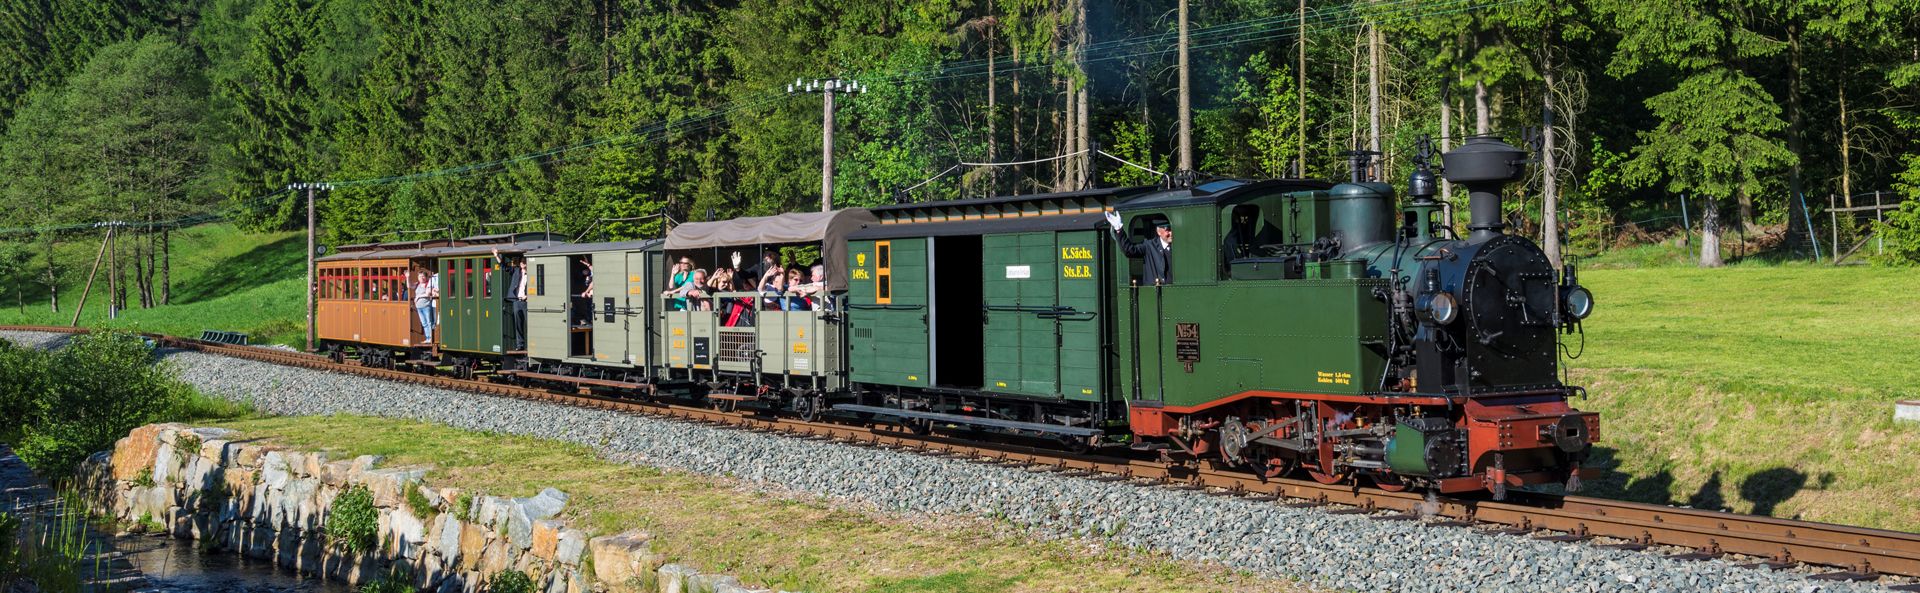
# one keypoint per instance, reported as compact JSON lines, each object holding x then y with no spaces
{"x":1157,"y":254}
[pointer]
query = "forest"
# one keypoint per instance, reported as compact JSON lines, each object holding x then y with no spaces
{"x":1755,"y":116}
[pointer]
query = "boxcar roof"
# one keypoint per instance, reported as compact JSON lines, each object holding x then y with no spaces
{"x":1221,"y":191}
{"x":980,"y":227}
{"x":1090,"y":192}
{"x":573,"y":248}
{"x":827,"y":228}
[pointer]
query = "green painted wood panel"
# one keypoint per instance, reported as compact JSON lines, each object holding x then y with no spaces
{"x":889,"y":338}
{"x":1082,"y":365}
{"x":471,"y":297}
{"x":1020,"y":279}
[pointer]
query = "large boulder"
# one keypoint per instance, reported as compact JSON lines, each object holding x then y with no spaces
{"x":546,"y":539}
{"x":624,"y":560}
{"x":135,"y":453}
{"x":572,"y":543}
{"x":676,"y":578}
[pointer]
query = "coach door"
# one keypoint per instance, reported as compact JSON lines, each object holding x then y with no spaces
{"x":643,"y":284}
{"x":547,"y":307}
{"x":610,"y":309}
{"x":456,"y":303}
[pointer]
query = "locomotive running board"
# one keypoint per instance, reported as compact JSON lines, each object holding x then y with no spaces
{"x":972,"y":420}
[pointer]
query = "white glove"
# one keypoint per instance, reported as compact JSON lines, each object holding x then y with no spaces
{"x":1113,"y":219}
{"x":736,"y":260}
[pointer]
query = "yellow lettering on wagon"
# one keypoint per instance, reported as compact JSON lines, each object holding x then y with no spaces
{"x":861,"y":275}
{"x":799,"y":347}
{"x":1079,"y":271}
{"x":1334,"y":378}
{"x":1076,"y":253}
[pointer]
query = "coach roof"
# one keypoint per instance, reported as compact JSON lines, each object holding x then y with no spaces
{"x":830,"y":229}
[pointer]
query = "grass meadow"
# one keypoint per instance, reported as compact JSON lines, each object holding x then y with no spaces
{"x":223,"y":279}
{"x":1758,"y":389}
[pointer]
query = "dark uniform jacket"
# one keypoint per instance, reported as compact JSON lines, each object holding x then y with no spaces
{"x":1157,"y":267}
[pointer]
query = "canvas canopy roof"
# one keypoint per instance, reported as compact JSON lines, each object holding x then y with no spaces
{"x":830,"y":229}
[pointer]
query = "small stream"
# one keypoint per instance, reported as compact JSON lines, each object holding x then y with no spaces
{"x":177,"y":565}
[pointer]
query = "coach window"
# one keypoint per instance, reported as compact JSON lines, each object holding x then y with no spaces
{"x":540,"y":279}
{"x":883,"y":272}
{"x":486,"y":279}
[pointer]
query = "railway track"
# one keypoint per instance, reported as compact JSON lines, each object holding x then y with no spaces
{"x":1831,"y":552}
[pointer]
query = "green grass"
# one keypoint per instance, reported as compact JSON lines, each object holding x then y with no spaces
{"x":780,"y":543}
{"x":223,"y":279}
{"x":1760,"y":389}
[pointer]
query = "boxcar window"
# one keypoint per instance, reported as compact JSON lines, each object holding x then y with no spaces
{"x":540,"y":279}
{"x":883,"y":272}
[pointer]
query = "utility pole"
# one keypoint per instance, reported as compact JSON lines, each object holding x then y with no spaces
{"x":826,"y":88}
{"x":1549,"y":183}
{"x":1186,"y":101}
{"x":1300,"y":96}
{"x":310,"y":187}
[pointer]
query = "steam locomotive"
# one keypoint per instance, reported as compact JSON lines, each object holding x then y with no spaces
{"x":1304,"y":327}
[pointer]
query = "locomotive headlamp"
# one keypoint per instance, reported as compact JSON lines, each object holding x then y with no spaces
{"x":1438,"y":308}
{"x":1577,"y":301}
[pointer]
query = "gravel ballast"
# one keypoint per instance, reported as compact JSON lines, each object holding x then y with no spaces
{"x":1337,"y":551}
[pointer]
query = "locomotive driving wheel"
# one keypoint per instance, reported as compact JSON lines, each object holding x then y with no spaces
{"x":1390,"y":482}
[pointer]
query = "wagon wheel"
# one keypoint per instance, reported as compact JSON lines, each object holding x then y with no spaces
{"x":919,"y":426}
{"x":337,"y":356}
{"x":809,"y":407}
{"x":722,"y":405}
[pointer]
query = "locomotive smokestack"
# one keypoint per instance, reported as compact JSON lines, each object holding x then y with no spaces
{"x":1485,"y":165}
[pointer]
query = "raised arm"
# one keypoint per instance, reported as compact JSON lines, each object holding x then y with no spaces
{"x":1128,"y":245}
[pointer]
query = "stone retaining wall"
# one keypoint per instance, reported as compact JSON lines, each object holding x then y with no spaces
{"x":271,"y":503}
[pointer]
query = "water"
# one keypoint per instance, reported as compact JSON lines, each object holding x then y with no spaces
{"x":177,"y":565}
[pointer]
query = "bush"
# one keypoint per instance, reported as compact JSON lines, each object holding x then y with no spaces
{"x":91,"y":393}
{"x":23,"y":376}
{"x":422,"y":508}
{"x":510,"y":581}
{"x":1902,"y":232}
{"x":352,"y":521}
{"x":395,"y":581}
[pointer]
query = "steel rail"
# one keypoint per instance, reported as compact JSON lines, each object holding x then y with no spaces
{"x":1858,"y":553}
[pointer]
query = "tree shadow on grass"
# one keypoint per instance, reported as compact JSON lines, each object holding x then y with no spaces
{"x":264,"y":264}
{"x":1764,"y":489}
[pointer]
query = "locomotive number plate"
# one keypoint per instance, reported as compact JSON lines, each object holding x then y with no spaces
{"x":1186,"y":344}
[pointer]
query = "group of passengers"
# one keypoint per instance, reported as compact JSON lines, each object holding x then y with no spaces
{"x":781,"y":288}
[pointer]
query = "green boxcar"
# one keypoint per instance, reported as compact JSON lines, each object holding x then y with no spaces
{"x":887,"y":302}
